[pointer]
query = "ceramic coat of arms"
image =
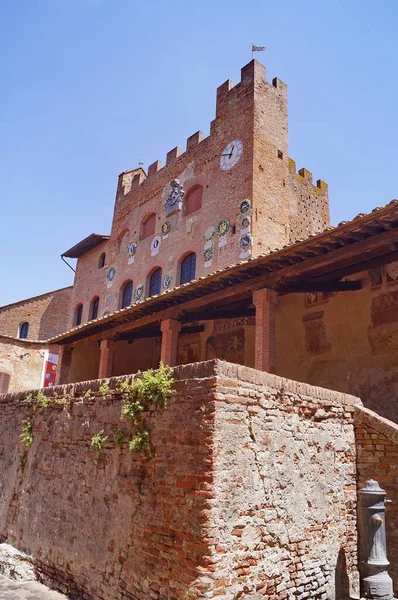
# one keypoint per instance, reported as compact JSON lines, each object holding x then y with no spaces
{"x":175,"y":197}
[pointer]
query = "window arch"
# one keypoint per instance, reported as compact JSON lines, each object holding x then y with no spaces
{"x":155,"y":282}
{"x":126,"y":295}
{"x":94,"y":307}
{"x":78,"y":314}
{"x":193,"y":200}
{"x":122,"y":241}
{"x":188,"y":268}
{"x":102,"y":260}
{"x":23,"y":330}
{"x":148,"y":226}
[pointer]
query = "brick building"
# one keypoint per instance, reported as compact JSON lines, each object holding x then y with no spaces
{"x":24,"y":328}
{"x":224,"y":253}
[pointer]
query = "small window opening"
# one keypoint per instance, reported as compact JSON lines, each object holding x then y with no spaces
{"x":102,"y":261}
{"x":155,"y":283}
{"x":78,"y":314}
{"x":94,"y":308}
{"x":23,"y":330}
{"x":188,"y":268}
{"x":127,"y":295}
{"x":280,"y":154}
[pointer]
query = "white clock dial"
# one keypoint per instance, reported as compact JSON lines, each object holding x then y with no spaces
{"x":231,"y":154}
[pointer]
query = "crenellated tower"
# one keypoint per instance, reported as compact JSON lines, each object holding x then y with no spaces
{"x":229,"y":196}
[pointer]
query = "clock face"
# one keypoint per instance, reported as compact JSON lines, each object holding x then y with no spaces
{"x":231,"y":154}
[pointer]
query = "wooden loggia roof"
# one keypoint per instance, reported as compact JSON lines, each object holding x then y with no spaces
{"x":349,"y":248}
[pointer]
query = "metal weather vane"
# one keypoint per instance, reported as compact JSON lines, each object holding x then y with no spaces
{"x":257,"y":48}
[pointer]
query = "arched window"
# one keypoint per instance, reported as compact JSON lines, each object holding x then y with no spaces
{"x":94,"y":308}
{"x":148,"y":226}
{"x":127,"y":294}
{"x":155,"y":283}
{"x":78,"y":314}
{"x":188,"y":267}
{"x":23,"y":330}
{"x":102,"y":260}
{"x":193,"y":200}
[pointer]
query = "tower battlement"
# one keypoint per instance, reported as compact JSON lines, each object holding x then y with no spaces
{"x":252,"y":75}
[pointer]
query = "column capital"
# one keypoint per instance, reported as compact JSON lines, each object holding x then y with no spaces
{"x":107,"y":343}
{"x":170,"y":324}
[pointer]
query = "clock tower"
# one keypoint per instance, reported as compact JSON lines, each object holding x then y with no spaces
{"x":226,"y":198}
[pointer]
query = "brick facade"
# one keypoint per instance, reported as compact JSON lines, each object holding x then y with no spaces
{"x":47,"y":315}
{"x":250,"y":492}
{"x":282,"y":205}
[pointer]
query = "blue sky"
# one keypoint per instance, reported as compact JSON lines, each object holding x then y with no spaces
{"x":91,"y":87}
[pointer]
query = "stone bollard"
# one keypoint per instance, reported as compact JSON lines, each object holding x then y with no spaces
{"x":376,"y":584}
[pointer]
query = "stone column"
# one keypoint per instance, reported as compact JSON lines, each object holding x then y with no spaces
{"x":376,"y":584}
{"x":170,"y":329}
{"x":107,"y":354}
{"x":264,"y":301}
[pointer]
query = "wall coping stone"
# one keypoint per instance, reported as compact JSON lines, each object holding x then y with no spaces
{"x":387,"y":428}
{"x":211,"y":370}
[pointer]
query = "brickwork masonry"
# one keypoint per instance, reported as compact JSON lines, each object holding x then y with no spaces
{"x":377,"y":451}
{"x":250,"y":492}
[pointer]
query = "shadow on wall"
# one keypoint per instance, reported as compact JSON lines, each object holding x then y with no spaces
{"x":342,"y":582}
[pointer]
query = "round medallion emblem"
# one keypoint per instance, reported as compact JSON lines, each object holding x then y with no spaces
{"x":111,"y":273}
{"x":245,"y":222}
{"x":244,"y":206}
{"x":166,"y":227}
{"x":245,"y":241}
{"x":223,"y":227}
{"x":132,"y":248}
{"x":167,"y":281}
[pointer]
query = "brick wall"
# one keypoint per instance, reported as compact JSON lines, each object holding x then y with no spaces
{"x":47,"y":315}
{"x":250,"y":492}
{"x":377,"y":450}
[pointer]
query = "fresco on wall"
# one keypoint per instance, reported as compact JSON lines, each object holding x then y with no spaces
{"x":392,"y":271}
{"x":315,"y":336}
{"x":383,"y":341}
{"x":313,"y":298}
{"x":227,"y":341}
{"x":188,"y":349}
{"x":385,"y":309}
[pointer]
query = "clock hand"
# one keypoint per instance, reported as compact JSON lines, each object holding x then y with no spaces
{"x":230,"y":154}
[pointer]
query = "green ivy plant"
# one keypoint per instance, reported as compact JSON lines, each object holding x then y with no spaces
{"x":42,"y":400}
{"x":120,"y":437}
{"x":141,"y":441}
{"x":98,"y":440}
{"x":26,"y":436}
{"x":151,"y":388}
{"x":104,"y":389}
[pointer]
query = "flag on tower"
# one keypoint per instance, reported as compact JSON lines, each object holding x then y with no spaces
{"x":257,"y":48}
